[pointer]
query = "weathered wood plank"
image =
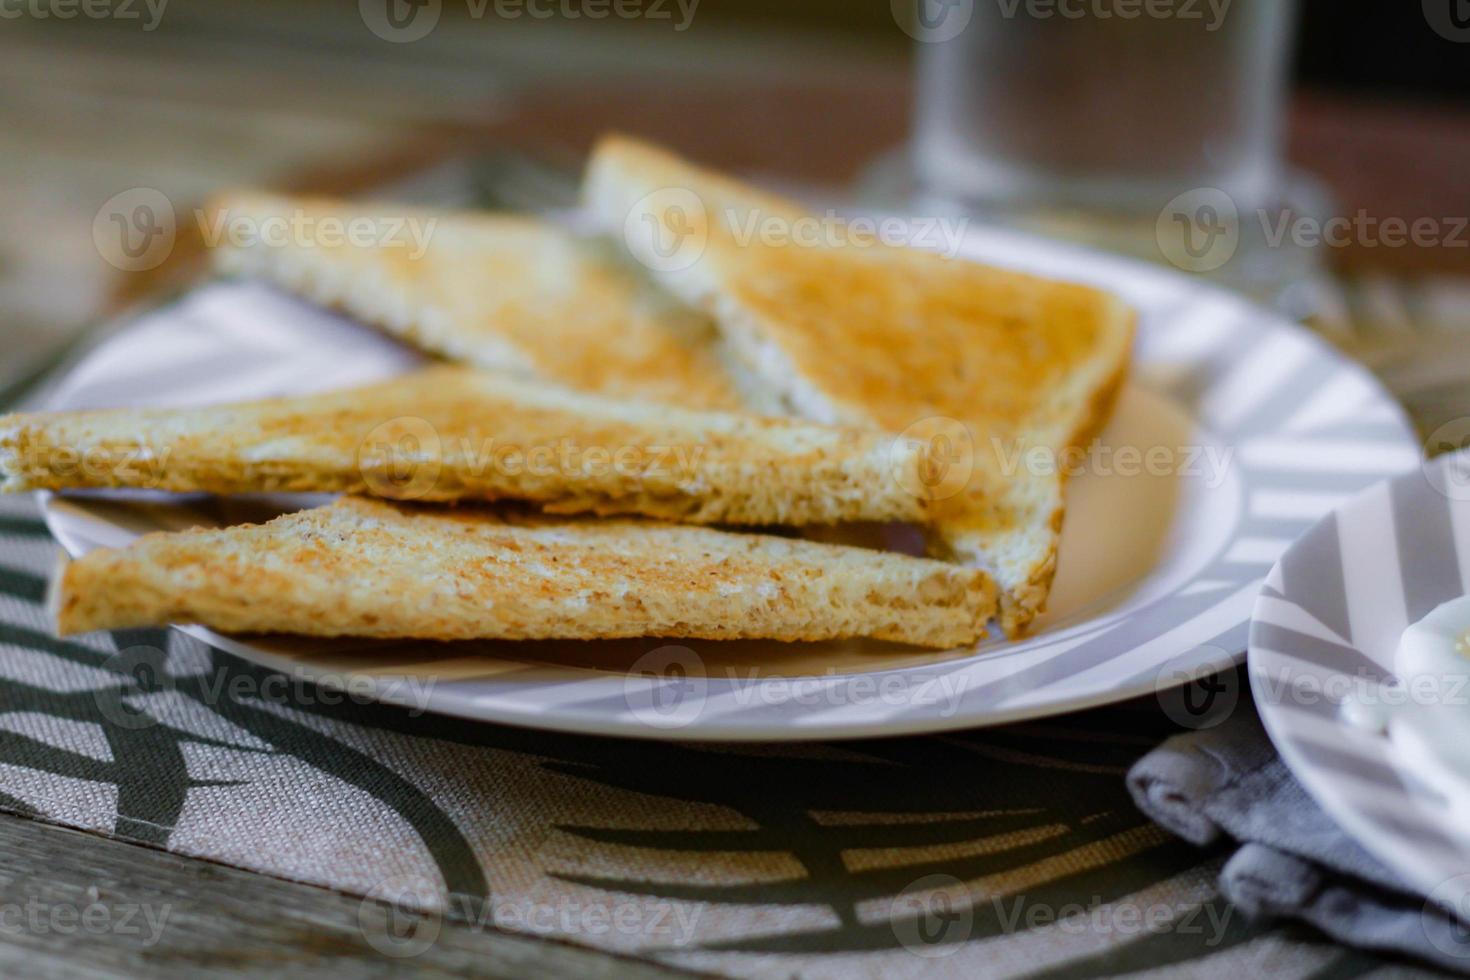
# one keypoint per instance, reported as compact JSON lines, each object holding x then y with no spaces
{"x":74,"y":905}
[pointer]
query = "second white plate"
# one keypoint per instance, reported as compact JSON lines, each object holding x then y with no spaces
{"x":1326,"y":630}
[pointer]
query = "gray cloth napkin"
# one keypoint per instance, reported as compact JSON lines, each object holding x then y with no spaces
{"x":1226,"y":783}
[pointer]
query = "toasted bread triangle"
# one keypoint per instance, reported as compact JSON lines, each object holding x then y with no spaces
{"x":497,"y":291}
{"x":372,"y":568}
{"x":451,"y":433}
{"x":993,"y":365}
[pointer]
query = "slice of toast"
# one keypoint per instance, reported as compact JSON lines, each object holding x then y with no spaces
{"x":453,"y":433}
{"x":1003,"y":371}
{"x":496,"y":291}
{"x":377,"y":569}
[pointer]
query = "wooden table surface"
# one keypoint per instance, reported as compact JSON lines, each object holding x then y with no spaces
{"x":87,"y":115}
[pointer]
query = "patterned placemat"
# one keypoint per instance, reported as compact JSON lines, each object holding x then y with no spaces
{"x":1013,"y":852}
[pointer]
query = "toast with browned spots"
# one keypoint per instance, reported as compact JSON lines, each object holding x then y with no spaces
{"x":1000,"y":370}
{"x":373,"y":568}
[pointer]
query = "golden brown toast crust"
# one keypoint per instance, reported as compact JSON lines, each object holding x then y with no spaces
{"x":910,"y":340}
{"x":497,"y":291}
{"x":450,"y":433}
{"x":378,"y":569}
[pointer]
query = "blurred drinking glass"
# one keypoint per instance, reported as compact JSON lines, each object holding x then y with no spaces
{"x":1092,"y":118}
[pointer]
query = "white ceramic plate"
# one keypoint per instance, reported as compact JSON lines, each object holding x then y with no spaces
{"x":1325,"y":630}
{"x":1256,"y":429}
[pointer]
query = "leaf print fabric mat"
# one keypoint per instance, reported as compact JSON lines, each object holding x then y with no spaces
{"x":1011,"y":852}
